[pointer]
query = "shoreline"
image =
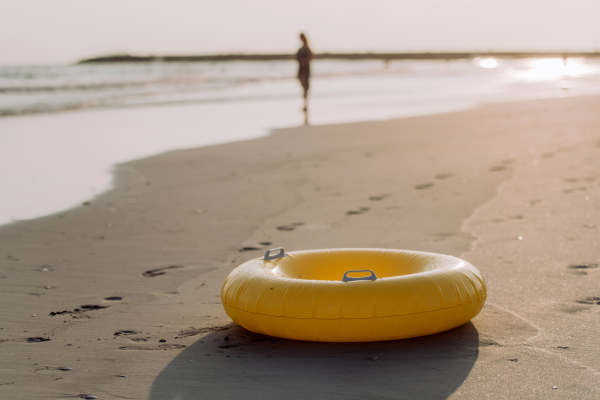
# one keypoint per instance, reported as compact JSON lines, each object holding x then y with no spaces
{"x":101,"y":178}
{"x":114,"y":137}
{"x":420,"y":183}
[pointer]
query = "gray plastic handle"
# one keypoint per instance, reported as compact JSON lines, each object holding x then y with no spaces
{"x":268,"y":255}
{"x":371,"y":277}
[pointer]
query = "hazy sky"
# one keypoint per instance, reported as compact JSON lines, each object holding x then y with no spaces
{"x":62,"y":31}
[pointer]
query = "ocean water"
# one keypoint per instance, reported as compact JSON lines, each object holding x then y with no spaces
{"x":64,"y":127}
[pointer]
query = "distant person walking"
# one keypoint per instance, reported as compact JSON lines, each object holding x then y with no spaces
{"x":304,"y":56}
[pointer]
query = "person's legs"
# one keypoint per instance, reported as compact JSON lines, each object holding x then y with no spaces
{"x":305,"y":85}
{"x":303,"y":77}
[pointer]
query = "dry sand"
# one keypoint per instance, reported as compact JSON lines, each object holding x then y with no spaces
{"x":513,"y":188}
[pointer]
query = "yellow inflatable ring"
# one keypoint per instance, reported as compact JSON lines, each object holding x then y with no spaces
{"x":316,"y":296}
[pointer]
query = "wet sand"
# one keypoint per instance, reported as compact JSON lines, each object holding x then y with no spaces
{"x":120,"y":298}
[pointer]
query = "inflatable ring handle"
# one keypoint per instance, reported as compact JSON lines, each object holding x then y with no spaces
{"x":371,"y":277}
{"x":268,"y":255}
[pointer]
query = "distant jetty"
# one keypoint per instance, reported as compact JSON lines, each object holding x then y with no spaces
{"x":336,"y":56}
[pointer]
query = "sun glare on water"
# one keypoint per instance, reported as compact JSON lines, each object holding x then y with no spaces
{"x":488,"y":63}
{"x":553,"y":68}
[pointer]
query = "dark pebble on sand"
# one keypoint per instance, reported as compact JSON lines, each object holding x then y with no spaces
{"x":113,"y":298}
{"x":64,"y":369}
{"x":162,"y":341}
{"x":121,"y":376}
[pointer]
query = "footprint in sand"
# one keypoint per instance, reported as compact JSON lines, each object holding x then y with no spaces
{"x":424,"y":186}
{"x":198,"y":331}
{"x":126,"y":333}
{"x":79,"y":311}
{"x":361,"y":210}
{"x":252,"y":248}
{"x":584,"y":266}
{"x":248,"y":248}
{"x":89,"y":307}
{"x":580,"y":269}
{"x":33,"y":339}
{"x":37,"y":339}
{"x":378,"y":198}
{"x":589,"y":300}
{"x":290,"y":227}
{"x":160,"y":271}
{"x":573,"y":309}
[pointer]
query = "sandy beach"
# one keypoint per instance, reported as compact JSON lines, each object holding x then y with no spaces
{"x":119,"y":298}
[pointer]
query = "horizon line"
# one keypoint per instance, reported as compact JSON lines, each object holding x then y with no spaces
{"x":340,"y":56}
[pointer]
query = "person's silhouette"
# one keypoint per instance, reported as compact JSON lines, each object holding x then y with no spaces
{"x":304,"y":56}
